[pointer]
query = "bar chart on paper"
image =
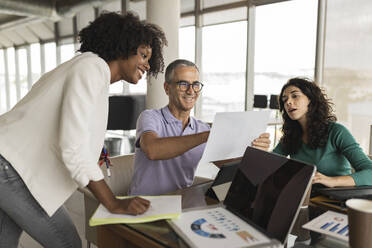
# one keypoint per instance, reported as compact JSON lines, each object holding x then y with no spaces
{"x":332,"y":224}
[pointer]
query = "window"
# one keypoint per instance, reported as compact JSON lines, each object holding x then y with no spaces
{"x":140,"y":87}
{"x":67,"y":52}
{"x":285,"y":42}
{"x":116,"y":88}
{"x":23,"y":84}
{"x":224,"y":65}
{"x":186,"y":42}
{"x":128,"y":88}
{"x":12,"y":82}
{"x":2,"y":83}
{"x":35,"y":62}
{"x":50,"y":56}
{"x":347,"y":74}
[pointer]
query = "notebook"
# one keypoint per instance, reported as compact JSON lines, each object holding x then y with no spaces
{"x":260,"y":208}
{"x":162,"y":207}
{"x":345,"y":193}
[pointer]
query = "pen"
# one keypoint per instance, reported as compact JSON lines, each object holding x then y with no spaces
{"x":107,"y":162}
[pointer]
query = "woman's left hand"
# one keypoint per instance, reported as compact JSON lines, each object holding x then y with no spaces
{"x":323,"y":179}
{"x":333,"y":181}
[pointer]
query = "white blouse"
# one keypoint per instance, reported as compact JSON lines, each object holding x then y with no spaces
{"x":53,"y":137}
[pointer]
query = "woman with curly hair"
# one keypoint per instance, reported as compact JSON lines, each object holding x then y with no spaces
{"x":51,"y":140}
{"x":311,"y":134}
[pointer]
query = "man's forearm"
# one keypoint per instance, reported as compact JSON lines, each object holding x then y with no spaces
{"x":170,"y":147}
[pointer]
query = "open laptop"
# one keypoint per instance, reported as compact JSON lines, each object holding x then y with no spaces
{"x":222,"y":181}
{"x":260,"y":208}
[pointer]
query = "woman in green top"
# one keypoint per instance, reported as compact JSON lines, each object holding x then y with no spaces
{"x":311,"y":134}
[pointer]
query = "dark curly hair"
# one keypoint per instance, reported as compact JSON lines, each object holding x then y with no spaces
{"x":112,"y":36}
{"x":319,"y":116}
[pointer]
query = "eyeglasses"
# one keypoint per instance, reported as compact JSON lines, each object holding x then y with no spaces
{"x":185,"y":86}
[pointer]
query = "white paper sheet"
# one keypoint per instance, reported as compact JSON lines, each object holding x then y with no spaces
{"x":332,"y":224}
{"x":232,"y":132}
{"x":217,"y":227}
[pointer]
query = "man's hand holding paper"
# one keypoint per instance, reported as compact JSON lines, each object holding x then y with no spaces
{"x":230,"y":135}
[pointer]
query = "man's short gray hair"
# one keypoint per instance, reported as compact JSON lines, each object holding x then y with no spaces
{"x":169,"y":71}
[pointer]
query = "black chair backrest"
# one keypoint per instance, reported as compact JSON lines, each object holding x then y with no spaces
{"x":124,"y":111}
{"x":274,"y":102}
{"x":260,"y":101}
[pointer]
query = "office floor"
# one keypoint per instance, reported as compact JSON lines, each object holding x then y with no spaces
{"x":75,"y":206}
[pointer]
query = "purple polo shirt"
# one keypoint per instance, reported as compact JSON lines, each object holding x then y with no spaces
{"x":154,"y":177}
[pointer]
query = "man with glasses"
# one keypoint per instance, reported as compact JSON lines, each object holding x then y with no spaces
{"x":170,"y":142}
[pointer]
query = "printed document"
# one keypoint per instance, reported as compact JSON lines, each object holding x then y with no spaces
{"x":217,"y":228}
{"x":230,"y":135}
{"x":332,"y":224}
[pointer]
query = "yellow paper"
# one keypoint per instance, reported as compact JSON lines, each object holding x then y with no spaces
{"x":162,"y":207}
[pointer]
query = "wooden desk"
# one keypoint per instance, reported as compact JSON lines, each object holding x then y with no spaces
{"x":155,"y":234}
{"x":159,"y":234}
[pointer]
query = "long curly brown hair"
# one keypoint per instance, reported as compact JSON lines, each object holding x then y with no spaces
{"x":319,"y":116}
{"x":113,"y":35}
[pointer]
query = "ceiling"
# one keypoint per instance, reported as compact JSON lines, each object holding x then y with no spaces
{"x":25,"y":22}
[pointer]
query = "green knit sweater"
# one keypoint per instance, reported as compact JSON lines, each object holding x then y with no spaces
{"x":337,"y":157}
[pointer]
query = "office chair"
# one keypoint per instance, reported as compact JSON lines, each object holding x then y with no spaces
{"x":274,"y":102}
{"x":123,"y":114}
{"x":260,"y":101}
{"x":124,"y":111}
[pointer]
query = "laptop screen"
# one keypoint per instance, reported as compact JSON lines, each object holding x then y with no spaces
{"x":226,"y":173}
{"x":267,"y":191}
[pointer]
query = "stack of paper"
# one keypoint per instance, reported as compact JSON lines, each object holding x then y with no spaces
{"x":162,"y":207}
